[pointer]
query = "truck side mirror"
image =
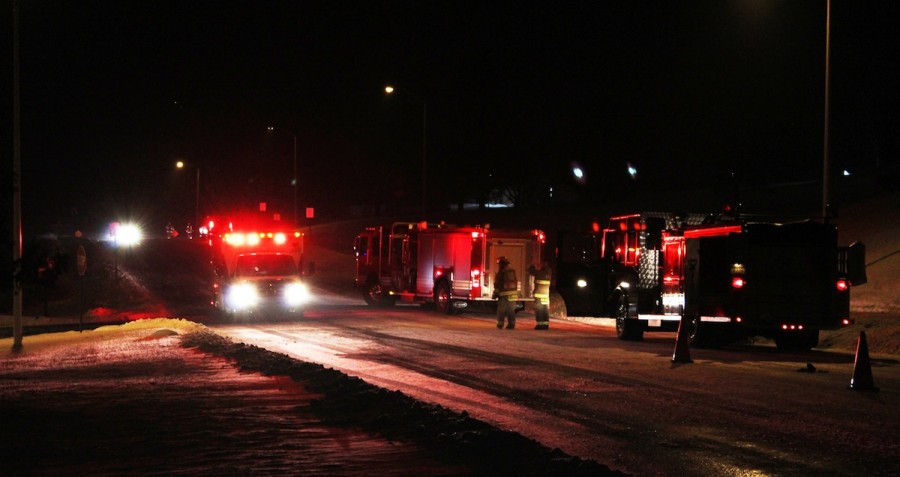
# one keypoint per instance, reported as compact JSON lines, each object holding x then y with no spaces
{"x":856,"y":264}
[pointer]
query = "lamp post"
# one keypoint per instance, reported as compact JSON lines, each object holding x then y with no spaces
{"x":294,"y":180}
{"x":182,"y":165}
{"x":826,"y":180}
{"x":390,"y":90}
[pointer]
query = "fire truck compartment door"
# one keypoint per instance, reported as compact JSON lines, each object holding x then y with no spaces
{"x":516,"y":252}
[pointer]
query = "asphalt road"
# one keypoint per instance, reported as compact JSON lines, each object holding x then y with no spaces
{"x":743,"y":410}
{"x":746,"y":410}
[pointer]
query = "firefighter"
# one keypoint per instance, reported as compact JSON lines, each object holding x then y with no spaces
{"x":541,"y":295}
{"x":506,"y":291}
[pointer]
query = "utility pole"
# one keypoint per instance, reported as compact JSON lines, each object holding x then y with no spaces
{"x":17,"y":189}
{"x":826,"y":166}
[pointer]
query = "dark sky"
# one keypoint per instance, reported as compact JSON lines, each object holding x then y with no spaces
{"x":689,"y":92}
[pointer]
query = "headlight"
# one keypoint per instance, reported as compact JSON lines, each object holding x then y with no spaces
{"x":296,"y":294}
{"x":242,"y":296}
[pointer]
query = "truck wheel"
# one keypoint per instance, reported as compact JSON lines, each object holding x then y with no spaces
{"x":442,"y":302}
{"x":702,"y":336}
{"x":802,"y":341}
{"x":374,"y":295}
{"x":627,"y":329}
{"x":809,"y":339}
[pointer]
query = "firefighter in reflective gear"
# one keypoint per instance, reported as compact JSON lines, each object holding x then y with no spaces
{"x":506,"y":288}
{"x":542,"y":278}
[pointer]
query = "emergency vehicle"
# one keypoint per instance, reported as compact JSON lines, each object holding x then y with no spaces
{"x":726,"y":277}
{"x":449,"y":266}
{"x":258,"y":271}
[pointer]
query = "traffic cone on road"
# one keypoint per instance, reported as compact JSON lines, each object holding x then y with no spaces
{"x":862,"y":368}
{"x":682,"y":352}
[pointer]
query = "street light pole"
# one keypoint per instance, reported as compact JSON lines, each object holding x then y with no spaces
{"x":390,"y":90}
{"x":826,"y":166}
{"x":294,"y":180}
{"x":182,"y":165}
{"x":197,"y":201}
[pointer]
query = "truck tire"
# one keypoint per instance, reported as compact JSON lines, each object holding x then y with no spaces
{"x":373,"y":294}
{"x":626,"y":328}
{"x":703,"y":336}
{"x":442,"y":302}
{"x":797,"y":341}
{"x":809,"y":339}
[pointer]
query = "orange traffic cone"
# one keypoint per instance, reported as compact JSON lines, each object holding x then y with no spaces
{"x":862,"y":369}
{"x":682,"y":352}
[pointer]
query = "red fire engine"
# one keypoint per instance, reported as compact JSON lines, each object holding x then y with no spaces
{"x":728,"y":278}
{"x":449,"y":266}
{"x":258,"y":271}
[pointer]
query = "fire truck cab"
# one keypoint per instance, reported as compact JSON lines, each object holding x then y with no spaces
{"x":449,"y":266}
{"x":258,"y":272}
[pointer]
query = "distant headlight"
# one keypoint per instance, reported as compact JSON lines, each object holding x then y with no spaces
{"x":242,"y":296}
{"x":296,"y":294}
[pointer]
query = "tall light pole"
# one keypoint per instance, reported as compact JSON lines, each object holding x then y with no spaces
{"x":390,"y":90}
{"x":17,"y":190}
{"x":294,"y":180}
{"x":826,"y":167}
{"x":182,"y":165}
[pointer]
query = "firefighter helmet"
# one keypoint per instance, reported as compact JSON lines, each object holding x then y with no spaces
{"x":503,"y":261}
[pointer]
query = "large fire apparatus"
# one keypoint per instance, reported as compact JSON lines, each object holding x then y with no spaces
{"x":450,"y":266}
{"x":258,"y":271}
{"x":726,"y":277}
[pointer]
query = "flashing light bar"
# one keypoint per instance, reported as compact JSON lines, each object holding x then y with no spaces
{"x":237,"y":239}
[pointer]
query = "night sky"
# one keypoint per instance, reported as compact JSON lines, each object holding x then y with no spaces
{"x":690,"y":93}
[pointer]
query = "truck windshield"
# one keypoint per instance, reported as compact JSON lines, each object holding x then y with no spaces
{"x":265,"y":265}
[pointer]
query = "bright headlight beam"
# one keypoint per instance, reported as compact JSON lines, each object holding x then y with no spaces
{"x":296,"y":294}
{"x":242,"y":296}
{"x":128,"y":235}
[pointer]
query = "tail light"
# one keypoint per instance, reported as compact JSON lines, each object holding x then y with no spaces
{"x":843,"y":285}
{"x":476,"y":279}
{"x":737,"y":283}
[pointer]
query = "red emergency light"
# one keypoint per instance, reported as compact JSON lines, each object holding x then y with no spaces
{"x":253,"y":239}
{"x":843,"y":285}
{"x":671,"y":279}
{"x":712,"y":231}
{"x":738,"y":283}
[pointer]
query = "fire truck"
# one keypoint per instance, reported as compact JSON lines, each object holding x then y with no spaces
{"x":258,"y":271}
{"x":449,"y":266}
{"x":727,"y":278}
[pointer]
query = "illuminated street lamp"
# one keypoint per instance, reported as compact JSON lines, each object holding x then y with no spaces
{"x":390,"y":90}
{"x":182,"y":165}
{"x":294,"y":180}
